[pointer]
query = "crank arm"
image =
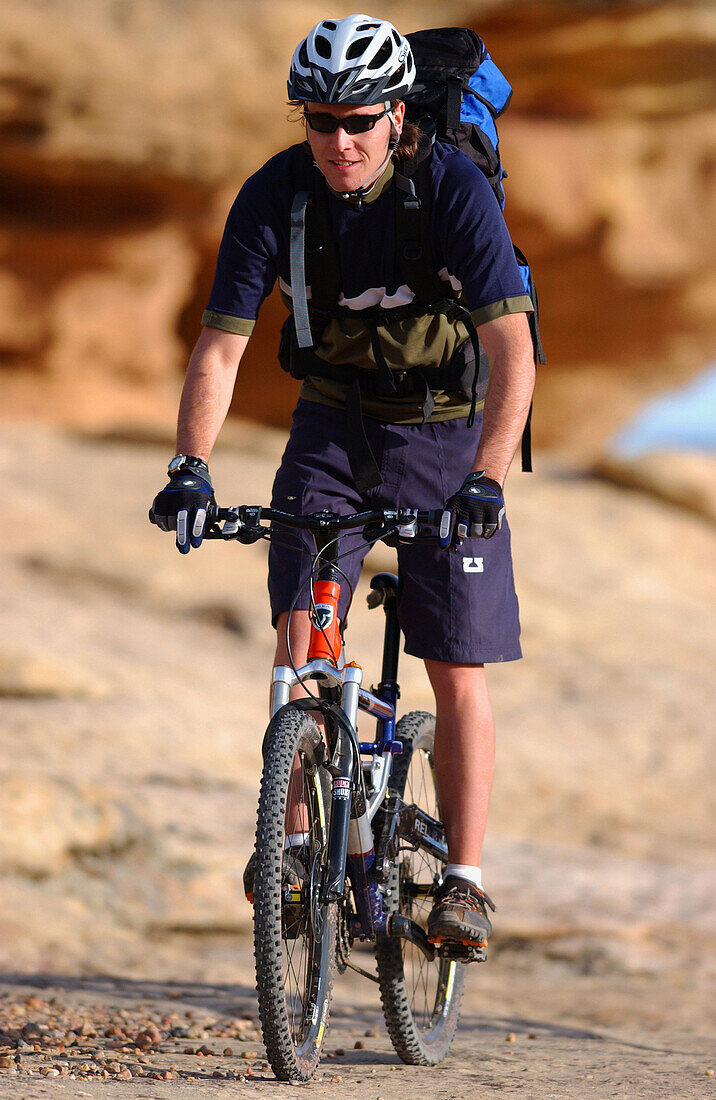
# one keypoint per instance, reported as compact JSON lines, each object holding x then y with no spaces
{"x":407,"y":929}
{"x":423,"y":831}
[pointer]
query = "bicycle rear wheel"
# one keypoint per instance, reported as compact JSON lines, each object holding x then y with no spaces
{"x":421,"y":999}
{"x":294,"y":935}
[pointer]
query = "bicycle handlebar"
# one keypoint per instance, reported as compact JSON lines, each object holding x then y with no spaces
{"x":248,"y":523}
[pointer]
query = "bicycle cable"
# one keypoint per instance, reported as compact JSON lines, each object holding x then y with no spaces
{"x":347,"y":553}
{"x":311,"y":607}
{"x":318,"y":560}
{"x":315,"y":565}
{"x":371,"y":542}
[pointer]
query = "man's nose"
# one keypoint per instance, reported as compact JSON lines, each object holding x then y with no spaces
{"x":340,"y":140}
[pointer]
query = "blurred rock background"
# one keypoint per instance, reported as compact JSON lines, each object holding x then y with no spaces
{"x":126,"y":129}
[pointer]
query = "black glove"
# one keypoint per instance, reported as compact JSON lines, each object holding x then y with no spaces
{"x":181,"y":505}
{"x":479,"y":507}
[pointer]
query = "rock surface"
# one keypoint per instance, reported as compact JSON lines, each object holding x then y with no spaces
{"x":132,"y":680}
{"x":125,"y":135}
{"x":685,"y":479}
{"x":128,"y":817}
{"x":48,"y":823}
{"x":32,"y":675}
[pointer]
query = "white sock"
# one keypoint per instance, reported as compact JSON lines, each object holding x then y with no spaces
{"x":463,"y":870}
{"x":295,"y":840}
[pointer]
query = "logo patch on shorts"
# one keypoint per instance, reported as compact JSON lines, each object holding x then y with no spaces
{"x":473,"y":565}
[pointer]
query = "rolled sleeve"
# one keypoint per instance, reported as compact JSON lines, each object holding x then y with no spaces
{"x":521,"y":304}
{"x":242,"y":326}
{"x":473,"y":241}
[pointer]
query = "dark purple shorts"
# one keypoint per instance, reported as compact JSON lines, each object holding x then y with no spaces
{"x":458,"y":607}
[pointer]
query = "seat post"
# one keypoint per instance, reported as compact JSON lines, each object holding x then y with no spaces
{"x":386,"y":584}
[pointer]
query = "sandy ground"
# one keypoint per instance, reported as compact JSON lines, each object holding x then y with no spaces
{"x":132,"y":699}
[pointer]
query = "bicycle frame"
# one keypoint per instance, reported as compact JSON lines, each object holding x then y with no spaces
{"x":351,"y":840}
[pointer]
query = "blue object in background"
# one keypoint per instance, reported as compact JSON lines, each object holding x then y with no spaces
{"x":683,"y":420}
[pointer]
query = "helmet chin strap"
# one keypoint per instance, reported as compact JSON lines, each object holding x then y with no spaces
{"x":364,"y":189}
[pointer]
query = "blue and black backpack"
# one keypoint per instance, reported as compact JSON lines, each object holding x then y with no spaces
{"x":458,"y":95}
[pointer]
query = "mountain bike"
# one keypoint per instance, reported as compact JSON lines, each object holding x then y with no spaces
{"x":349,"y":842}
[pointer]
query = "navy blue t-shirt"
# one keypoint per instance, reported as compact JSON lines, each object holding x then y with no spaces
{"x":471,"y":247}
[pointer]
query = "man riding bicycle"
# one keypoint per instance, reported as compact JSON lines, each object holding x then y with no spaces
{"x":381,"y":420}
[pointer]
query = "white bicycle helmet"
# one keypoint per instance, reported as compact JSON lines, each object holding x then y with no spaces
{"x":357,"y":60}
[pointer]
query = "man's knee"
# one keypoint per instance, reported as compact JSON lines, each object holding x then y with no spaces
{"x":454,"y":682}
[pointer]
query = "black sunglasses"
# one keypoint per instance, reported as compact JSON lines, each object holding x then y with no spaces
{"x":352,"y":124}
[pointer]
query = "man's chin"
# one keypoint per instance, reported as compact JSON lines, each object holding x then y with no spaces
{"x":347,"y":180}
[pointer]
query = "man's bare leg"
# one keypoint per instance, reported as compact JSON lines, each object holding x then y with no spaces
{"x":300,"y":634}
{"x":464,"y":755}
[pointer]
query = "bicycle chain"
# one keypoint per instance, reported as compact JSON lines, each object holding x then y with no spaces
{"x":344,"y":940}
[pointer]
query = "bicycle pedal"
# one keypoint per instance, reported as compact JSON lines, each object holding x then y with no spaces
{"x":461,"y":952}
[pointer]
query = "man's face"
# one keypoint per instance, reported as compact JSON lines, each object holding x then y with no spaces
{"x":349,"y":161}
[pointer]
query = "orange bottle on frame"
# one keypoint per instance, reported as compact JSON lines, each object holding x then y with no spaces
{"x":325,"y":642}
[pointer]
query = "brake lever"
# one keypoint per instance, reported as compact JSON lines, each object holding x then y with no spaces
{"x":446,"y":532}
{"x":234,"y":526}
{"x":250,"y":535}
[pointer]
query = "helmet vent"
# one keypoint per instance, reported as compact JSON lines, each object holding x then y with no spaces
{"x":328,"y":25}
{"x":368,"y":27}
{"x":382,"y":56}
{"x":303,"y":54}
{"x":323,"y":46}
{"x":397,"y":78}
{"x":357,"y":48}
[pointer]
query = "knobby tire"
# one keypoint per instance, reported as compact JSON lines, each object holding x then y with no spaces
{"x":294,"y":944}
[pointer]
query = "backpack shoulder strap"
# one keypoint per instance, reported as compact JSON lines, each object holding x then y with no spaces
{"x":318,"y":257}
{"x":297,"y":254}
{"x":538,"y":350}
{"x":412,"y":227}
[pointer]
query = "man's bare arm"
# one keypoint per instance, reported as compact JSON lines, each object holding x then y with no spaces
{"x":208,"y":387}
{"x":508,"y":344}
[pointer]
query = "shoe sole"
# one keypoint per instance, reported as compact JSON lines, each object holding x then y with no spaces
{"x":451,"y":930}
{"x":437,"y":941}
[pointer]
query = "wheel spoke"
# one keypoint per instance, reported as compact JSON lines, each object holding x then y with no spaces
{"x":421,"y":1007}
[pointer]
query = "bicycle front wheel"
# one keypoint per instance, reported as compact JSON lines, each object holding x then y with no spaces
{"x":421,"y":999}
{"x":294,"y":935}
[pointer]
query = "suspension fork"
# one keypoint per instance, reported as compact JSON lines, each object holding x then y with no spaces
{"x":345,"y":769}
